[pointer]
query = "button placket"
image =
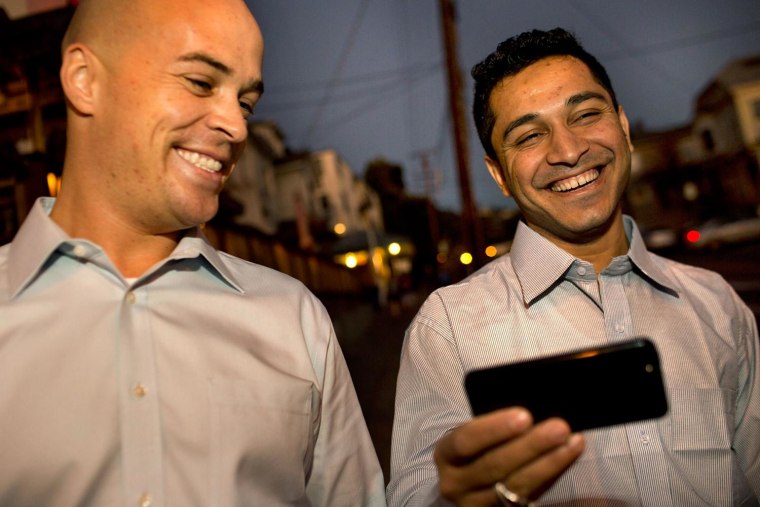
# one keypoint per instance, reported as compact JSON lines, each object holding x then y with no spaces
{"x":617,"y":314}
{"x":141,"y":428}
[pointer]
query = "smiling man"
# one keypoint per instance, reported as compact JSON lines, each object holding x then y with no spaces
{"x":578,"y":275}
{"x":138,"y":365}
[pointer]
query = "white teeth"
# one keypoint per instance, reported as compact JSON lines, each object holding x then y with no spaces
{"x":575,"y":181}
{"x":200,"y":161}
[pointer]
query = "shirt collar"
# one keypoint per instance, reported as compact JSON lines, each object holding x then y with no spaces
{"x":39,"y":238}
{"x":194,"y":244}
{"x":36,"y":240}
{"x":540,"y":265}
{"x":644,"y":260}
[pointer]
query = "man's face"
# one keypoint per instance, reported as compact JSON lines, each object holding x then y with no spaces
{"x":563,"y":150}
{"x":171,"y":111}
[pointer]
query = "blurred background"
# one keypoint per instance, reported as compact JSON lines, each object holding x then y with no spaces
{"x":364,"y":176}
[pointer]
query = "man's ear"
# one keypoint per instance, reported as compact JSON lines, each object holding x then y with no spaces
{"x":497,"y":174}
{"x":626,"y":127}
{"x":78,"y":78}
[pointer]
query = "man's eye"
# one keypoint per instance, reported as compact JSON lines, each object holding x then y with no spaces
{"x":588,"y":116}
{"x":247,"y":109}
{"x":528,"y":139}
{"x":203,"y":86}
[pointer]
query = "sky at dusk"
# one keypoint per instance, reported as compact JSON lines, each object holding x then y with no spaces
{"x":367,"y":78}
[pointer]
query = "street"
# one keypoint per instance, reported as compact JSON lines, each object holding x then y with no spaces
{"x":371,"y":337}
{"x":371,"y":340}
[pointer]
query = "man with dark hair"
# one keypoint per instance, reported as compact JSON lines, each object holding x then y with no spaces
{"x":578,"y":275}
{"x":138,"y":365}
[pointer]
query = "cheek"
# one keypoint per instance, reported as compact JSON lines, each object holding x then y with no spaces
{"x":520,"y":172}
{"x":180,"y":111}
{"x":610,"y":134}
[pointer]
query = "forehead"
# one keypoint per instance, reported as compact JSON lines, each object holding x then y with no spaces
{"x":541,"y":86}
{"x":224,"y":29}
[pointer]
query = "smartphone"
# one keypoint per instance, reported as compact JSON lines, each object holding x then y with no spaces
{"x":589,"y":388}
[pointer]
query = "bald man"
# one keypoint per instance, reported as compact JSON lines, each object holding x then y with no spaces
{"x":138,"y":365}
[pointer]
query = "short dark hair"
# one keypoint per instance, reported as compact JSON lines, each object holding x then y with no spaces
{"x":512,"y":56}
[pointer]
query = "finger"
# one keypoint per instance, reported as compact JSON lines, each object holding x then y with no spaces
{"x":481,"y":497}
{"x":537,"y":476}
{"x":458,"y":452}
{"x":503,"y":460}
{"x":471,"y":439}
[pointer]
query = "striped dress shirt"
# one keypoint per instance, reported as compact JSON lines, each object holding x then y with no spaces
{"x":539,"y":300}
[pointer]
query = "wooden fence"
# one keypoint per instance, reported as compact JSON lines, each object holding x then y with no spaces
{"x":320,"y":274}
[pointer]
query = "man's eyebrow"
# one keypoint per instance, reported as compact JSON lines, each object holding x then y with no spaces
{"x":522,"y":120}
{"x":583,"y":97}
{"x":255,"y":85}
{"x":208,"y":60}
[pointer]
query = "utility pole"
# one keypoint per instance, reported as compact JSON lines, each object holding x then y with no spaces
{"x":428,"y":178}
{"x":472,"y":235}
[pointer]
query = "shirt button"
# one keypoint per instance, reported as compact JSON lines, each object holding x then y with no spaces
{"x":619,"y":327}
{"x":140,"y":390}
{"x":644,"y":439}
{"x":145,"y":501}
{"x":581,"y":270}
{"x":131,"y":298}
{"x":79,"y":251}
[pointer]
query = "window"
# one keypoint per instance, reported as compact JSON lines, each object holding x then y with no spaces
{"x":707,"y":140}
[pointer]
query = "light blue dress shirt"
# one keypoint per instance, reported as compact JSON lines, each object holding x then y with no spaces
{"x":208,"y":381}
{"x":539,"y":300}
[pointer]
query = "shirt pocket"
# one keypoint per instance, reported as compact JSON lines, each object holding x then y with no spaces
{"x":701,"y":419}
{"x":261,"y":440}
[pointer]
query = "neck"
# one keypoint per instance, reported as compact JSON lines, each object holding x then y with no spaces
{"x":131,"y":249}
{"x":600,"y":250}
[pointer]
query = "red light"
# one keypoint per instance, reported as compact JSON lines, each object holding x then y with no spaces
{"x":692,"y":236}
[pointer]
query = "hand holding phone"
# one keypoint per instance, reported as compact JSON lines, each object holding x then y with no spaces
{"x":589,"y":388}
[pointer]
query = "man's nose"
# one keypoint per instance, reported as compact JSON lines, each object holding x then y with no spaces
{"x":227,"y":117}
{"x":566,"y":146}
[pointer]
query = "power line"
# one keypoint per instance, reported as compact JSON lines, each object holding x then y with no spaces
{"x":684,"y":42}
{"x":375,"y":101}
{"x":368,"y":77}
{"x":599,"y":23}
{"x":347,"y":47}
{"x":270,"y":107}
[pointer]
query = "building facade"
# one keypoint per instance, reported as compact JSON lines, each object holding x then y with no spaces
{"x":707,"y":170}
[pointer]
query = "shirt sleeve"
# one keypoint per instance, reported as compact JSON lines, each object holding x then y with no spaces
{"x":430,"y":401}
{"x":345,"y":471}
{"x":746,"y":442}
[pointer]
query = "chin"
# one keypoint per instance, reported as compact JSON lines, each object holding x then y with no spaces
{"x":593,"y":227}
{"x":196,"y":215}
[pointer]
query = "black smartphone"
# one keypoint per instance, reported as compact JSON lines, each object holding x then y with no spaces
{"x":589,"y":388}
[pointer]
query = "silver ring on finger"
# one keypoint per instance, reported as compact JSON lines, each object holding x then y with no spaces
{"x":509,"y":498}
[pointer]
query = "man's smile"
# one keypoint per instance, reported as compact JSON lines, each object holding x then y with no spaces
{"x":208,"y":164}
{"x":574,"y":182}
